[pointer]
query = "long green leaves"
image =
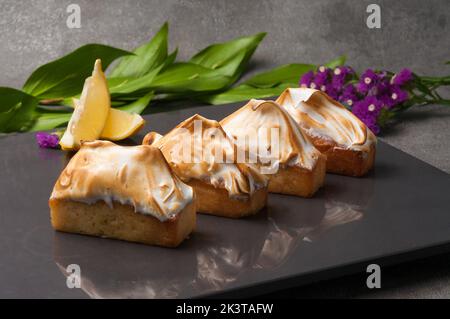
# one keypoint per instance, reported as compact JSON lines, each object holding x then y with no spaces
{"x":231,"y":57}
{"x":146,"y":57}
{"x":65,"y":77}
{"x":262,"y":85}
{"x":242,"y":93}
{"x":266,"y":84}
{"x":50,"y":120}
{"x":189,"y":77}
{"x":133,"y":85}
{"x":289,"y":73}
{"x":17,"y":110}
{"x":213,"y":68}
{"x":139,"y":105}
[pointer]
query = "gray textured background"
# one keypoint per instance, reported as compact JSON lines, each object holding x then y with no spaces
{"x":414,"y":34}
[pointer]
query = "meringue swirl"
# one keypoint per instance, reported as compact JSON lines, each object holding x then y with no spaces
{"x":293,"y":147}
{"x":211,"y":157}
{"x":320,"y":116}
{"x":131,"y":175}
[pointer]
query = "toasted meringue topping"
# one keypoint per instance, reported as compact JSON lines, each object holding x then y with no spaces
{"x":321,"y":116}
{"x":293,"y":148}
{"x":134,"y":175}
{"x":199,"y":148}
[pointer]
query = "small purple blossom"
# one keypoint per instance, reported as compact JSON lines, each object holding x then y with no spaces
{"x":393,"y":97}
{"x":381,"y":87}
{"x":338,"y":82}
{"x":367,"y":81}
{"x":349,"y":95}
{"x":367,"y":110}
{"x":322,"y":77}
{"x":330,"y":90}
{"x":398,"y":95}
{"x":306,"y":79}
{"x":340,"y":76}
{"x":402,"y":77}
{"x":47,"y":140}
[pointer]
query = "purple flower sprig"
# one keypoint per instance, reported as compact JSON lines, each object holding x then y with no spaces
{"x":47,"y":140}
{"x":375,"y":97}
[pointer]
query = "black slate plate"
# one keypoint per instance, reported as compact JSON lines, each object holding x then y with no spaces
{"x":397,"y":213}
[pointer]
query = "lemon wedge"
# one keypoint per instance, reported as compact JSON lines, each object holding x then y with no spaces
{"x":120,"y":125}
{"x":93,"y":117}
{"x":89,"y":117}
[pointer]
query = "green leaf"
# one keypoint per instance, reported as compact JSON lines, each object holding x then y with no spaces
{"x":422,"y":87}
{"x":289,"y":73}
{"x":242,"y":93}
{"x":145,"y":58}
{"x":49,"y":120}
{"x":189,"y":77}
{"x":336,"y":62}
{"x":16,"y":110}
{"x":139,"y":105}
{"x":436,"y":80}
{"x":129,"y":85}
{"x":234,"y":66}
{"x":170,"y":59}
{"x":218,"y":56}
{"x":65,"y":77}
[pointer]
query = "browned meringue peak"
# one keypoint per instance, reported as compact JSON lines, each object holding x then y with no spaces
{"x":323,"y":117}
{"x":133,"y":175}
{"x":208,"y":155}
{"x":260,"y":116}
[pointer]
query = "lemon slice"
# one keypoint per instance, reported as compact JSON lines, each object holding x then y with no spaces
{"x":119,"y":124}
{"x":89,"y":117}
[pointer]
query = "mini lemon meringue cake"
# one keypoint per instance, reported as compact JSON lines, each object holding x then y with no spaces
{"x":204,"y":157}
{"x":128,"y":193}
{"x":293,"y":165}
{"x":346,"y":141}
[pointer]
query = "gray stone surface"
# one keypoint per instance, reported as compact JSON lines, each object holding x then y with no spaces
{"x":414,"y":34}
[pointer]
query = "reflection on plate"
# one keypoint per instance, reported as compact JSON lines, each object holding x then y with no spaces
{"x":213,"y":258}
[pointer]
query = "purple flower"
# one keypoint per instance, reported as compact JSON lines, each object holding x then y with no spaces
{"x":306,"y":79}
{"x":47,"y":140}
{"x":370,"y":106}
{"x":398,"y":95}
{"x":367,"y":81}
{"x":367,"y":110}
{"x":340,"y":77}
{"x":322,"y":77}
{"x":329,"y":89}
{"x":349,"y":95}
{"x":402,"y":77}
{"x":338,"y":82}
{"x":394,"y":96}
{"x":380,"y":87}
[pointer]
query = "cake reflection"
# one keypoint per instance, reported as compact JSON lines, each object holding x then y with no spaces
{"x":222,"y":252}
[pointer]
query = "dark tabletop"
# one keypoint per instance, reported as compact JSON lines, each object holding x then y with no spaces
{"x":414,"y":34}
{"x":391,"y":215}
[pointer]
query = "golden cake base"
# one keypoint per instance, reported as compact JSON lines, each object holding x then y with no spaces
{"x":216,"y":201}
{"x":121,"y":222}
{"x":346,"y":161}
{"x":292,"y":180}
